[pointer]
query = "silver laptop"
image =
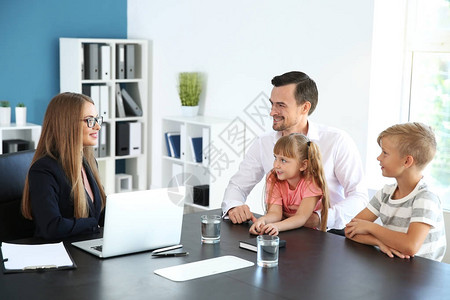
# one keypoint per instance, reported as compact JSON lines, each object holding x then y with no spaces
{"x":139,"y":221}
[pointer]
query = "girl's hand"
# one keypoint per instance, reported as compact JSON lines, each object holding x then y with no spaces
{"x":257,"y":226}
{"x":270,"y":229}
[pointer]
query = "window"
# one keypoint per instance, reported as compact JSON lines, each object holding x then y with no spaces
{"x":428,"y":46}
{"x":411,"y":80}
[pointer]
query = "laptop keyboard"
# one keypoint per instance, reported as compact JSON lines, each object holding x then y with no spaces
{"x":98,"y":248}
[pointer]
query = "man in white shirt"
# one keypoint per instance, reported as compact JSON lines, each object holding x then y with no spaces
{"x":294,"y":97}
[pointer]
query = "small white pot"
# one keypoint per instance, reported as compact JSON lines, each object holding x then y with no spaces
{"x":5,"y":115}
{"x":21,"y":115}
{"x":189,"y":111}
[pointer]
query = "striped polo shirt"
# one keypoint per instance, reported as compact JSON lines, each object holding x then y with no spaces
{"x":421,"y":205}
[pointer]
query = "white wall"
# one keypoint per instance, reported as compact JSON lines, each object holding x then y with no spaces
{"x":241,"y":45}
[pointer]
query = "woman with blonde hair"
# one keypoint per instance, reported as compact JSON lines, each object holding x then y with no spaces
{"x":295,"y":187}
{"x":63,"y":193}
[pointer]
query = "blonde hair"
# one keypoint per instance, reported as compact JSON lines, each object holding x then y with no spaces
{"x":300,"y":147}
{"x":62,"y":139}
{"x":415,"y":139}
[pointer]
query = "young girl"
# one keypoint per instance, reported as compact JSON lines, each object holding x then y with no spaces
{"x":295,"y":187}
{"x":63,"y":193}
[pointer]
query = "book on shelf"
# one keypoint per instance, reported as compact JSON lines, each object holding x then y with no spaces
{"x":251,"y":244}
{"x":196,"y":147}
{"x":173,"y":140}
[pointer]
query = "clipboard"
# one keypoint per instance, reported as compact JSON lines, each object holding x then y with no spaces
{"x":19,"y":258}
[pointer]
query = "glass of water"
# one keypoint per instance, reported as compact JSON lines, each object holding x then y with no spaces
{"x":267,"y":250}
{"x":211,"y":229}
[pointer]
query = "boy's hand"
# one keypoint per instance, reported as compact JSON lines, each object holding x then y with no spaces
{"x":270,"y":229}
{"x":257,"y":226}
{"x":391,"y":252}
{"x":357,"y":226}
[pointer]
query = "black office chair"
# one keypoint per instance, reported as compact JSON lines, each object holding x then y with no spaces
{"x":13,"y":171}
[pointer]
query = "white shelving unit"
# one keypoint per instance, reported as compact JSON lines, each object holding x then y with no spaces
{"x":73,"y":78}
{"x":29,"y":132}
{"x":217,"y":166}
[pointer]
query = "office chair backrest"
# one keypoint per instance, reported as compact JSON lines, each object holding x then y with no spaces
{"x":13,"y":171}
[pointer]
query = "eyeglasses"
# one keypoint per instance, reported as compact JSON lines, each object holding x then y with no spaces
{"x":91,"y":121}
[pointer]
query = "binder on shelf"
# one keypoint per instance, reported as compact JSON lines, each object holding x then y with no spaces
{"x":96,"y":147}
{"x":196,"y":147}
{"x":131,"y":106}
{"x":183,"y":142}
{"x":91,"y":61}
{"x":102,"y":138}
{"x":129,"y":62}
{"x":166,"y":135}
{"x":206,"y":146}
{"x":104,"y":102}
{"x":120,"y":63}
{"x":95,"y":96}
{"x":174,"y":143}
{"x":86,"y":90}
{"x":122,"y":138}
{"x":135,"y":138}
{"x":119,"y":102}
{"x":83,"y":75}
{"x":105,"y":61}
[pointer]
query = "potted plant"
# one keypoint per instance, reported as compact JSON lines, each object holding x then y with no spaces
{"x":21,"y":114}
{"x":189,"y":90}
{"x":5,"y":113}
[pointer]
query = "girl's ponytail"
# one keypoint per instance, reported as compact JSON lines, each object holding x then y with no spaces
{"x":316,"y":173}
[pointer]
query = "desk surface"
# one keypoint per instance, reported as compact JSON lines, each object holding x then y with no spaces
{"x":314,"y":265}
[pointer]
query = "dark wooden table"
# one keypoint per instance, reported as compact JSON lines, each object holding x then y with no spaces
{"x":314,"y":265}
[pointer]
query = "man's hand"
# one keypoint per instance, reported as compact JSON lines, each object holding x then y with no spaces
{"x":313,"y":221}
{"x":240,"y":214}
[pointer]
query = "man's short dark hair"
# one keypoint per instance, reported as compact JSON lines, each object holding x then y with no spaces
{"x":306,"y":89}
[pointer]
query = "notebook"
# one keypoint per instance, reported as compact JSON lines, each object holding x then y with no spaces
{"x":139,"y":221}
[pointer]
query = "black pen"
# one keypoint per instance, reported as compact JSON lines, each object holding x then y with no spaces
{"x":171,"y":254}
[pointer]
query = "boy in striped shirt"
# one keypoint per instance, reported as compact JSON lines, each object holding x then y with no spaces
{"x":411,"y":214}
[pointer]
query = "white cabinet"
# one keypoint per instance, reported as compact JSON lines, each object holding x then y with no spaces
{"x":120,"y":64}
{"x":220,"y":156}
{"x":29,"y":132}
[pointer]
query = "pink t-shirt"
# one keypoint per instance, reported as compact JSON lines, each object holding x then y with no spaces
{"x":290,"y":199}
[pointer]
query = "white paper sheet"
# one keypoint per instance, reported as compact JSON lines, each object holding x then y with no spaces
{"x":204,"y":268}
{"x":20,"y":257}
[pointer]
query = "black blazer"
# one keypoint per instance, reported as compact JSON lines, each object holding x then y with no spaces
{"x":52,"y":204}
